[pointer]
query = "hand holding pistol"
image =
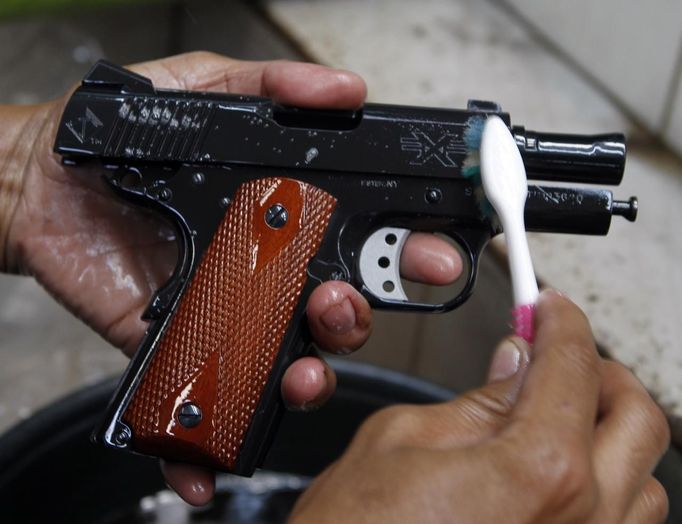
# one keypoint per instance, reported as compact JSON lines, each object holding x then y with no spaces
{"x":269,"y":202}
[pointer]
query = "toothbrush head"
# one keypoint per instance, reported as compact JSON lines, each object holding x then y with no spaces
{"x":503,"y":174}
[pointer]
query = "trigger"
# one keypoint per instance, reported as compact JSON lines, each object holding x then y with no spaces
{"x":380,"y":263}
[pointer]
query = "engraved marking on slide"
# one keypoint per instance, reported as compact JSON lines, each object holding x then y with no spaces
{"x":80,"y":129}
{"x":429,"y":149}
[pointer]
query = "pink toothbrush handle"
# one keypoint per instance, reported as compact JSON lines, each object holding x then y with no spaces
{"x":523,"y":321}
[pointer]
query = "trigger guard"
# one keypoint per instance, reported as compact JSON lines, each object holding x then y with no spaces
{"x":380,"y":263}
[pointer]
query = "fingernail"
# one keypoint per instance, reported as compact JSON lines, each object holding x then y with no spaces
{"x":506,"y":362}
{"x":552,"y":291}
{"x":339,"y":318}
{"x":198,"y":490}
{"x":306,"y":380}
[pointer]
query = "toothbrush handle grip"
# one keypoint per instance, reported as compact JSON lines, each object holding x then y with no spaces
{"x":524,"y":325}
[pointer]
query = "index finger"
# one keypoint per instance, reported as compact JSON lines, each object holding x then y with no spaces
{"x":561,"y":392}
{"x":289,"y":83}
{"x":312,"y":85}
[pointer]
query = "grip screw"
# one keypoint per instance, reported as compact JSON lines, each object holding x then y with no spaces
{"x":276,"y":216}
{"x":122,"y":436}
{"x":189,"y":415}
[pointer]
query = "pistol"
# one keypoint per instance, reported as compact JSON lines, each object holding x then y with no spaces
{"x":270,"y":201}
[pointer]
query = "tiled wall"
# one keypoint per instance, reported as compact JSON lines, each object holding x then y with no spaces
{"x":633,"y":48}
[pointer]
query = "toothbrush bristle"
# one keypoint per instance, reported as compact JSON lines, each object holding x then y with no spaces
{"x":472,"y":172}
{"x":473,"y":134}
{"x":471,"y":168}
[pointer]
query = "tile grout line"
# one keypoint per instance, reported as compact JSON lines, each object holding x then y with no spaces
{"x":672,"y":97}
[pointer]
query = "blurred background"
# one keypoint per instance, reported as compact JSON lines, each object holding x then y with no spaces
{"x":581,"y":67}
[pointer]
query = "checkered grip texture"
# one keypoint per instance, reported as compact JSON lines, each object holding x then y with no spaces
{"x":219,"y":348}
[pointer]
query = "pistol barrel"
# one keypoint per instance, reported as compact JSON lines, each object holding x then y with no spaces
{"x":590,"y":159}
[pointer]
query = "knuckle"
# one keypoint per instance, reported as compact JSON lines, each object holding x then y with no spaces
{"x":645,"y":419}
{"x":615,"y":370}
{"x":585,"y":358}
{"x":485,"y":406}
{"x":564,"y":478}
{"x":656,"y":503}
{"x":571,"y":482}
{"x":658,"y":423}
{"x":202,"y":55}
{"x":653,"y":423}
{"x":389,"y":427}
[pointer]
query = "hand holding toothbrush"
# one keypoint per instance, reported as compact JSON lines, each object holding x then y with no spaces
{"x":562,"y":437}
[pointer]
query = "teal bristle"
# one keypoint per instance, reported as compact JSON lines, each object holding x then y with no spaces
{"x":472,"y":171}
{"x":473,"y":134}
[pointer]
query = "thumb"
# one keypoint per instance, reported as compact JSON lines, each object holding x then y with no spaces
{"x":480,"y":413}
{"x":510,"y":360}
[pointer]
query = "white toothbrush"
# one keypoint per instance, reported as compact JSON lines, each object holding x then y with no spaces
{"x":504,"y":181}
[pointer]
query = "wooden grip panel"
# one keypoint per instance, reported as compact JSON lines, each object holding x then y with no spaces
{"x":219,"y":348}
